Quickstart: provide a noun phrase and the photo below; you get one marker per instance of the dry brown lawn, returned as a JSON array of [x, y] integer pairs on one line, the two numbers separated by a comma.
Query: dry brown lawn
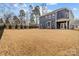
[[38, 42]]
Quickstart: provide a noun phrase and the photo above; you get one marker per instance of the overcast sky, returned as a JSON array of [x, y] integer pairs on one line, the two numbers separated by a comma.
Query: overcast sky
[[13, 7]]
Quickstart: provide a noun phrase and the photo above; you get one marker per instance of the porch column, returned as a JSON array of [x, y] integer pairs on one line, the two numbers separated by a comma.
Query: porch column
[[66, 25], [56, 20], [50, 24]]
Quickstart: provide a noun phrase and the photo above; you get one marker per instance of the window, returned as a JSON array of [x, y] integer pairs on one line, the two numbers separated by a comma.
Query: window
[[62, 14], [53, 16], [40, 17], [46, 17], [49, 17], [48, 23], [67, 15]]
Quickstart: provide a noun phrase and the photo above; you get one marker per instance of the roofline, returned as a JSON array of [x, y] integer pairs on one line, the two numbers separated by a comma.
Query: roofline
[[55, 11]]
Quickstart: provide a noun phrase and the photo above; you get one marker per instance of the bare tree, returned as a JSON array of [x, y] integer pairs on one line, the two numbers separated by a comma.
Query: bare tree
[[32, 21], [16, 20], [8, 16], [36, 11], [22, 14], [1, 20]]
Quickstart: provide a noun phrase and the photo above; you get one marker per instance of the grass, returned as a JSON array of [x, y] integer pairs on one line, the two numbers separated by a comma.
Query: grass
[[39, 42]]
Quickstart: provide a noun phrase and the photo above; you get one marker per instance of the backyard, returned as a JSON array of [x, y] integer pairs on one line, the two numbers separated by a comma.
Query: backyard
[[39, 42]]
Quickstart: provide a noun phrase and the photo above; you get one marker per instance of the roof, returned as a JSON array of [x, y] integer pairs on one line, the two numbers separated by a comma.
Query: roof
[[55, 11]]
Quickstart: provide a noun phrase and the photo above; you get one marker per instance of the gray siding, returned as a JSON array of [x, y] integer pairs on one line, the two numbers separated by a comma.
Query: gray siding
[[64, 14]]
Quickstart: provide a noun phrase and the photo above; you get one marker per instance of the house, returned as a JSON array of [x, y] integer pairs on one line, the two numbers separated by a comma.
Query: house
[[58, 19]]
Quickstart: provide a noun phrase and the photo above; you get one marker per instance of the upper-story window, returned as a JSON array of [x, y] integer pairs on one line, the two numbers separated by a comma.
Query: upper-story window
[[43, 17], [67, 14], [46, 16], [62, 14], [49, 16], [53, 16], [40, 17]]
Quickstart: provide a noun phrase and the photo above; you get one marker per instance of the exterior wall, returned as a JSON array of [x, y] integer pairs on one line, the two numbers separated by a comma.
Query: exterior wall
[[71, 19], [44, 21]]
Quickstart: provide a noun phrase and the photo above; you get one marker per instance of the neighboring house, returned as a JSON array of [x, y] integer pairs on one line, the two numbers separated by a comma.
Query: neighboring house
[[75, 24], [59, 19]]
